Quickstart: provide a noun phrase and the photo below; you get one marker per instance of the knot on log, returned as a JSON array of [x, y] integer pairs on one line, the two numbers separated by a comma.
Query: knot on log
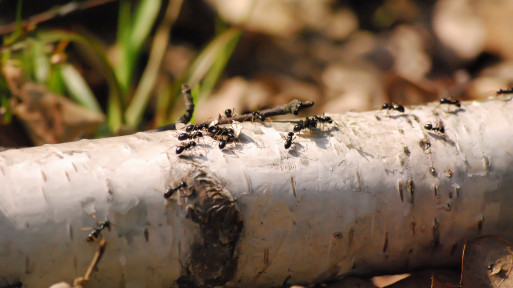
[[213, 260]]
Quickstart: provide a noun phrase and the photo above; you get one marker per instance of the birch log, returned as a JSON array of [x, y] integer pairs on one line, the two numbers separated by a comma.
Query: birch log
[[374, 192]]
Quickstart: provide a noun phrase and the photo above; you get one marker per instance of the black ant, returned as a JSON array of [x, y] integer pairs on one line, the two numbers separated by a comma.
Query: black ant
[[258, 115], [229, 113], [288, 140], [96, 232], [172, 191], [396, 107], [307, 123], [186, 136], [323, 119], [227, 135], [507, 91], [439, 128], [184, 147], [192, 127], [454, 102]]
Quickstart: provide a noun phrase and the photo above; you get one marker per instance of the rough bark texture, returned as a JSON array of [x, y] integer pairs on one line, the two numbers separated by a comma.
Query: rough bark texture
[[373, 192]]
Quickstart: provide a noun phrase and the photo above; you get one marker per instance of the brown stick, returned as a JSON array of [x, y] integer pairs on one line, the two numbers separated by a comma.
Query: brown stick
[[189, 105], [53, 13], [293, 107], [81, 281]]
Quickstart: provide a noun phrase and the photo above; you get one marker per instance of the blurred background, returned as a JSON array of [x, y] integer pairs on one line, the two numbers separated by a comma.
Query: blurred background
[[97, 68]]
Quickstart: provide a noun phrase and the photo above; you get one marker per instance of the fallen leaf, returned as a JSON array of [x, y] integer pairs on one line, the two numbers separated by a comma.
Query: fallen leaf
[[487, 262]]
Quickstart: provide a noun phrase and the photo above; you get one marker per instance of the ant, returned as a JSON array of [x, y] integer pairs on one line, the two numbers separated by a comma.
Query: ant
[[184, 147], [440, 128], [186, 136], [288, 140], [454, 102], [192, 127], [323, 119], [172, 191], [229, 113], [96, 232], [507, 91], [396, 107], [258, 115], [307, 123]]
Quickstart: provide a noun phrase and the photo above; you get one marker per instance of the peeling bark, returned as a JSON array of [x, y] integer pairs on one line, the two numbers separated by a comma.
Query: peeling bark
[[374, 192]]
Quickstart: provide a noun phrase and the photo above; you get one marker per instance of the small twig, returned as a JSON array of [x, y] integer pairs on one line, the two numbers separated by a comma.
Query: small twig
[[189, 105], [53, 13], [187, 115], [293, 107], [81, 281]]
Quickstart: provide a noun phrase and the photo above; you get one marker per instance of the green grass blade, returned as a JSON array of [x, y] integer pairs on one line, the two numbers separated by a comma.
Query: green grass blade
[[55, 82], [41, 62], [203, 66], [134, 30], [5, 95], [150, 75], [78, 89], [17, 32], [145, 16], [213, 75], [203, 63], [115, 105], [123, 68]]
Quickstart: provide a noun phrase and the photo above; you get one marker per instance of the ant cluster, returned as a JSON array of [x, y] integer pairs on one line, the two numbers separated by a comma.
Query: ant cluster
[[192, 132], [222, 134], [96, 232]]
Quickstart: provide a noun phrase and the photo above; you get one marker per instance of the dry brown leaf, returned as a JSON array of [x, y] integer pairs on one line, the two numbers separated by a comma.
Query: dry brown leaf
[[266, 16], [49, 118], [457, 25], [487, 262]]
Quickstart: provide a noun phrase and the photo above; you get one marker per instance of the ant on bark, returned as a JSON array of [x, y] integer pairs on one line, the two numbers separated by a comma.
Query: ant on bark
[[172, 191], [95, 233], [454, 102], [440, 128], [288, 140], [507, 91], [396, 107], [193, 135], [187, 146]]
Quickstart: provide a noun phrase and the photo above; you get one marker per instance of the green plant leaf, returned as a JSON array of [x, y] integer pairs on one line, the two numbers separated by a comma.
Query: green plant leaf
[[150, 75], [78, 89], [41, 62], [17, 32], [209, 63], [115, 104], [133, 32]]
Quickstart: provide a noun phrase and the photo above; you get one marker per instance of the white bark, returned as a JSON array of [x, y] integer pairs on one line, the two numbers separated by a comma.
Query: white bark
[[364, 196]]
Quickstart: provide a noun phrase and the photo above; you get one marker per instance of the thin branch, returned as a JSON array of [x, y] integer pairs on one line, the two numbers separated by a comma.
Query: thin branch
[[60, 11], [189, 105], [81, 281], [293, 107]]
